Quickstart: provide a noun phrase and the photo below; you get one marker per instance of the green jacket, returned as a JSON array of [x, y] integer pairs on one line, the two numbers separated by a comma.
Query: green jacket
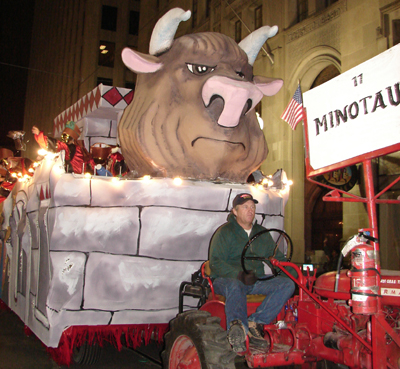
[[227, 246]]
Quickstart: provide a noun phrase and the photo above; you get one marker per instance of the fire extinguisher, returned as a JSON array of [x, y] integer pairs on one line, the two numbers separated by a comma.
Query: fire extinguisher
[[363, 274]]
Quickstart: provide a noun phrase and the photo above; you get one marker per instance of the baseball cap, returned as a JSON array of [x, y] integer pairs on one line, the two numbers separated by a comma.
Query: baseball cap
[[242, 198]]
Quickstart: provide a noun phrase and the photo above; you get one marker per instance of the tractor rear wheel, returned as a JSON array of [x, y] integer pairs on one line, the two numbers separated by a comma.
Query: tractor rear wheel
[[197, 341]]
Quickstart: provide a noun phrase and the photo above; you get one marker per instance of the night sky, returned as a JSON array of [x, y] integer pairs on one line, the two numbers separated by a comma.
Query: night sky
[[16, 19]]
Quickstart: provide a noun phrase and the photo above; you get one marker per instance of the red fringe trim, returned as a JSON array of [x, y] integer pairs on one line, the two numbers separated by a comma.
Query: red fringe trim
[[28, 331], [4, 306], [76, 336]]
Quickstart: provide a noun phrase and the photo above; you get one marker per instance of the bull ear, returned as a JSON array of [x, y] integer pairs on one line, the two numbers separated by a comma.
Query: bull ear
[[140, 63], [268, 86], [252, 44], [165, 29]]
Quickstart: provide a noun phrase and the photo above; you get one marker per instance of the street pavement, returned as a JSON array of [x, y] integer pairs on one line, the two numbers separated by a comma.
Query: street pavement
[[18, 351]]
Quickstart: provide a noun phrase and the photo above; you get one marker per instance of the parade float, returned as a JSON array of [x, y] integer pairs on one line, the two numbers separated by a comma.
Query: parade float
[[88, 257]]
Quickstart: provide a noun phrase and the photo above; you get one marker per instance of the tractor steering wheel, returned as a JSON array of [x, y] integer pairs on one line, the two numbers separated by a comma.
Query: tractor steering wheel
[[282, 242]]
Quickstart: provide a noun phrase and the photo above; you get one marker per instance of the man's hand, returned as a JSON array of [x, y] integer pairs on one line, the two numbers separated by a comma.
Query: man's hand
[[35, 130], [247, 279]]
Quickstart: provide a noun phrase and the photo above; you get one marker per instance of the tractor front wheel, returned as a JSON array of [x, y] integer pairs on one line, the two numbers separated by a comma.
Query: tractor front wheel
[[197, 341]]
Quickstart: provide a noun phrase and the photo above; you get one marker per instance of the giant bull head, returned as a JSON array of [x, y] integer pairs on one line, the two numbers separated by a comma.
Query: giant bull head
[[193, 111]]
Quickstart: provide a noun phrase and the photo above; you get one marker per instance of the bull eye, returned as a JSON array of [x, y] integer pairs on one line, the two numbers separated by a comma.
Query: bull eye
[[199, 70], [240, 74]]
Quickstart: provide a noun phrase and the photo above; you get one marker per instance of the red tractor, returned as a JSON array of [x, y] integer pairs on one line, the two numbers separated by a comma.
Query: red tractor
[[339, 317], [348, 317]]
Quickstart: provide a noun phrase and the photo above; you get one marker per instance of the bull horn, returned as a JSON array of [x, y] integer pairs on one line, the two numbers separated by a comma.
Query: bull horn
[[252, 44], [165, 29]]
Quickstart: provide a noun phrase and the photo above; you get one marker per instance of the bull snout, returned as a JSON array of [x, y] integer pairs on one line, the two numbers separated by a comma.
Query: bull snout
[[239, 97]]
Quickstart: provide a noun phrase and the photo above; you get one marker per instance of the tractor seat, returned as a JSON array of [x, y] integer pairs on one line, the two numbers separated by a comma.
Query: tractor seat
[[206, 272]]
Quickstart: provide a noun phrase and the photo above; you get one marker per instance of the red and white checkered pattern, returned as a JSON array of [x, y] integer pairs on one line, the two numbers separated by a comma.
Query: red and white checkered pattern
[[110, 99]]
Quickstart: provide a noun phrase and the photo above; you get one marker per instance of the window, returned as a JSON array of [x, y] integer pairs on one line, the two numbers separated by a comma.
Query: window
[[105, 81], [130, 85], [109, 18], [194, 13], [238, 31], [329, 2], [106, 54], [258, 110], [396, 31], [302, 10], [390, 23], [258, 22], [208, 8], [323, 4], [134, 23]]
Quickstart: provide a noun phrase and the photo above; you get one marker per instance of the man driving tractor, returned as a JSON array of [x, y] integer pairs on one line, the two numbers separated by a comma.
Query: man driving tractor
[[232, 282]]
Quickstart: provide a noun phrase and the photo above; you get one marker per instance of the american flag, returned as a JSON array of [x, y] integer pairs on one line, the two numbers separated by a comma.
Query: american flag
[[293, 113]]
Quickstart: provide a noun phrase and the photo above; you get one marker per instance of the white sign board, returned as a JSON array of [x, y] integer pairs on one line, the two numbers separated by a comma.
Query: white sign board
[[355, 113]]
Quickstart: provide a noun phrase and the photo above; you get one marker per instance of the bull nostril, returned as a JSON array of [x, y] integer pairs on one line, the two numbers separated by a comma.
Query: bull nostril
[[247, 106], [215, 107], [213, 98], [238, 98]]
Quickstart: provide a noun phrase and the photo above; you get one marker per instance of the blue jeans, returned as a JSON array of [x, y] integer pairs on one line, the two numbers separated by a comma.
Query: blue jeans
[[278, 290]]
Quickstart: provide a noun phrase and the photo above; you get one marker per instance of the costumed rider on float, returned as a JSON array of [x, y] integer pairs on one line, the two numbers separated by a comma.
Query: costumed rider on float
[[230, 280], [76, 157], [12, 169], [116, 163]]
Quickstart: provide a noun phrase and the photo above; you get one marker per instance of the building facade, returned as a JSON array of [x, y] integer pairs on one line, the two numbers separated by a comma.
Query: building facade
[[75, 46], [317, 40]]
